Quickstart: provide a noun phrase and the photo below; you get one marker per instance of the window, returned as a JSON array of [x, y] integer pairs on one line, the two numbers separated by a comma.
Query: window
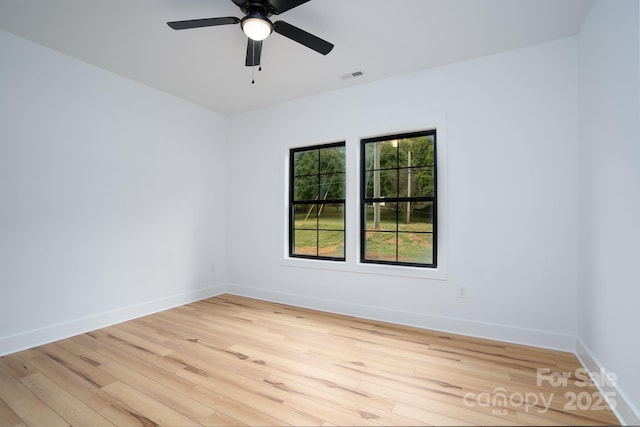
[[398, 200], [317, 202]]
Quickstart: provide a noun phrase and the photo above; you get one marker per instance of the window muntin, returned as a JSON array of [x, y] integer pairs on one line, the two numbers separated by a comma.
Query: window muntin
[[398, 200], [317, 189]]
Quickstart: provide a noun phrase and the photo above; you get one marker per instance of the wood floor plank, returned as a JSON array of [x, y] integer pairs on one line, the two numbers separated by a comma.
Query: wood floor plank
[[150, 334], [232, 360], [219, 419], [123, 416], [16, 366], [88, 355], [34, 412], [460, 412], [148, 369], [554, 418], [303, 365], [327, 392], [63, 403], [332, 415], [267, 400], [76, 364], [90, 394], [391, 379], [137, 341], [111, 343], [445, 404], [149, 407], [8, 418], [158, 391], [10, 388], [361, 413], [88, 341], [231, 408], [427, 417]]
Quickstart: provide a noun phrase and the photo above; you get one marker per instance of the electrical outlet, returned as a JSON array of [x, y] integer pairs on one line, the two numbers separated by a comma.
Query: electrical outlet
[[462, 292]]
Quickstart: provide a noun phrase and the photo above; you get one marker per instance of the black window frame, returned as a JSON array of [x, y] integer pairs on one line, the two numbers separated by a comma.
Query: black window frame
[[367, 200], [293, 203]]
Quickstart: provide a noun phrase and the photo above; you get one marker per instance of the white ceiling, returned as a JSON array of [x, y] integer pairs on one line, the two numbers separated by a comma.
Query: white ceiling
[[382, 38]]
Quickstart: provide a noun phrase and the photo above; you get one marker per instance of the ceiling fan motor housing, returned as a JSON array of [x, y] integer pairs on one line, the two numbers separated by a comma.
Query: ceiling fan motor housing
[[263, 9]]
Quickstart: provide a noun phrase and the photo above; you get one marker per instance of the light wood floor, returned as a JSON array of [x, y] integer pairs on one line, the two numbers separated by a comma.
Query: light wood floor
[[236, 361]]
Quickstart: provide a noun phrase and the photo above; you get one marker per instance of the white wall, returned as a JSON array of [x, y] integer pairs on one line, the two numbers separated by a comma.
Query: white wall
[[512, 199], [111, 197], [610, 197]]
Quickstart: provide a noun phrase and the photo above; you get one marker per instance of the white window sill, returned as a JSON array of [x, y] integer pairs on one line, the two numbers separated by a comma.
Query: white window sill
[[366, 268]]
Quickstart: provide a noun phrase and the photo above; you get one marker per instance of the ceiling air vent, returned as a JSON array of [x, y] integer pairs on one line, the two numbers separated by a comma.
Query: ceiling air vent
[[352, 75]]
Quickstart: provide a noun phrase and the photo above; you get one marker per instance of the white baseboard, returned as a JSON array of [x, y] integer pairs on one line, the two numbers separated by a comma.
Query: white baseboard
[[622, 406], [36, 337], [491, 331]]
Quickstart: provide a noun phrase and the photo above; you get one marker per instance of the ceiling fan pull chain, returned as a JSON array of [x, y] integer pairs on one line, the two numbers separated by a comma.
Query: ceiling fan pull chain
[[253, 69], [253, 73]]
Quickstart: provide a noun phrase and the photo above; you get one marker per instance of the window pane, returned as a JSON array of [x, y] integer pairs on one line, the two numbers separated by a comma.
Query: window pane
[[332, 159], [381, 216], [420, 149], [305, 187], [388, 154], [331, 244], [369, 163], [405, 150], [418, 219], [417, 182], [415, 248], [429, 147], [332, 186], [369, 183], [381, 183], [305, 162], [331, 217], [381, 155], [305, 217], [305, 242], [425, 181], [380, 246]]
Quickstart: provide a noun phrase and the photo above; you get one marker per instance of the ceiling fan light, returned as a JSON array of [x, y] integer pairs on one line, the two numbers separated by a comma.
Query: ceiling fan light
[[257, 28]]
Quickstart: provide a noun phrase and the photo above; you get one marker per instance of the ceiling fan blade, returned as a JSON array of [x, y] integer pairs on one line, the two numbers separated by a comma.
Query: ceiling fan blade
[[208, 22], [240, 3], [254, 50], [302, 37], [281, 6]]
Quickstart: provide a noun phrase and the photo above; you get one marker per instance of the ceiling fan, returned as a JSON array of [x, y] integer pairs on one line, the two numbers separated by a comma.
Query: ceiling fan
[[257, 26]]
